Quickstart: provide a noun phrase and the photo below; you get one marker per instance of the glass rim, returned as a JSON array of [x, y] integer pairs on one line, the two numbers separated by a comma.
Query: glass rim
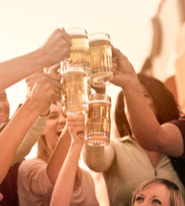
[[99, 96], [77, 31], [99, 36]]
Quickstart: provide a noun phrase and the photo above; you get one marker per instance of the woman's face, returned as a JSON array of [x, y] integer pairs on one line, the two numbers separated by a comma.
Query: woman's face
[[153, 195], [54, 125]]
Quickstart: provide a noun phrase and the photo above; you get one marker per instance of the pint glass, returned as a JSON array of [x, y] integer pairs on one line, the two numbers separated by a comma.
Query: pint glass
[[75, 89], [100, 58], [79, 48], [99, 120]]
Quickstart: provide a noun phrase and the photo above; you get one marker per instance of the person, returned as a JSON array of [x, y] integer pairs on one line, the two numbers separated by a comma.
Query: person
[[124, 163], [56, 48], [166, 138], [47, 88], [53, 51], [37, 176], [8, 186], [68, 170], [157, 191]]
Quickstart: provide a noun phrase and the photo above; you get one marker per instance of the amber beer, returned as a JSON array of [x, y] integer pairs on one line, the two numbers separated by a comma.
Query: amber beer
[[99, 120], [76, 90], [100, 58], [79, 55]]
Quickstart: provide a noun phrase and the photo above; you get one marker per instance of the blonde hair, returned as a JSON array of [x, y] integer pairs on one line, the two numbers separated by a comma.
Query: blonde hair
[[175, 195]]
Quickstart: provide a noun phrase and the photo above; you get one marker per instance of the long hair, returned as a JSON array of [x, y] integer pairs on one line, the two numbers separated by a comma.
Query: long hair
[[163, 100], [175, 195]]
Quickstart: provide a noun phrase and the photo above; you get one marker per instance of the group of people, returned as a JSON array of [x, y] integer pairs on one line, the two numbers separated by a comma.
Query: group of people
[[144, 165]]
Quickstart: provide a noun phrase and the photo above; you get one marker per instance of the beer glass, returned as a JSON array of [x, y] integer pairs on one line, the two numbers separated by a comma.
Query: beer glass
[[75, 89], [99, 120], [100, 58], [79, 55]]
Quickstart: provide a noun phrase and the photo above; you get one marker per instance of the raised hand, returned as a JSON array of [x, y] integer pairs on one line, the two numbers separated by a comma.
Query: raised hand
[[76, 127], [57, 47], [123, 69]]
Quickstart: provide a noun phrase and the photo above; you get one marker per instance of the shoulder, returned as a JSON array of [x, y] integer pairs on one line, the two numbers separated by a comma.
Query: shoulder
[[31, 166]]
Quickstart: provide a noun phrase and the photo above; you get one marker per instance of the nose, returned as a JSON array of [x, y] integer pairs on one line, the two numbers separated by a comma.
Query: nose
[[61, 119]]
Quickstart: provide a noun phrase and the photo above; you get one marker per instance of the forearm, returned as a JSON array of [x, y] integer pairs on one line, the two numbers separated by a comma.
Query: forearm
[[14, 133], [58, 156], [142, 119], [18, 68], [30, 139], [67, 176], [98, 159]]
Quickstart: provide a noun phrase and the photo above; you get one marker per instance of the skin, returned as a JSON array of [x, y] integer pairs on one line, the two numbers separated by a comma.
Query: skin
[[154, 195], [92, 155], [165, 138], [46, 90], [67, 175], [4, 107], [54, 126], [54, 50]]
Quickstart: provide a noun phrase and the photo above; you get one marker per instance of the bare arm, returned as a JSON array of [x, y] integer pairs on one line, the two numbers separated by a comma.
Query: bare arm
[[58, 156], [68, 174], [60, 152], [30, 139], [45, 91], [67, 177], [151, 135], [98, 159], [56, 48]]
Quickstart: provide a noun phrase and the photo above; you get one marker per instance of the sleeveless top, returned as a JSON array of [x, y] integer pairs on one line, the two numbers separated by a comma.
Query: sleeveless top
[[179, 163]]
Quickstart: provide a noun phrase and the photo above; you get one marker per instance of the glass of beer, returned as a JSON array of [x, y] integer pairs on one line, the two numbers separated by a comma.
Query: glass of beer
[[75, 89], [100, 58], [99, 120], [79, 55]]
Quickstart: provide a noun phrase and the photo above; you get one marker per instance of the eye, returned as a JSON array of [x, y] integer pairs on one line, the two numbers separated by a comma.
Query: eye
[[157, 201], [53, 116], [139, 199], [146, 95]]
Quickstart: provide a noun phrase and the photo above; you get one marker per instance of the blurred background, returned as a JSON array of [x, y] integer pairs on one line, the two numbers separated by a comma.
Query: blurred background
[[150, 33], [140, 29]]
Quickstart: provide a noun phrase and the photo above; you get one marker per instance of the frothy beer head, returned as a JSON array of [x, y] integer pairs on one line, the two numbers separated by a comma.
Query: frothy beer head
[[76, 88], [79, 48]]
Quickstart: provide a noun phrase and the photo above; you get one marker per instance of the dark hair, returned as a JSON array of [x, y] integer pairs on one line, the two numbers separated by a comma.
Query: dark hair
[[163, 100]]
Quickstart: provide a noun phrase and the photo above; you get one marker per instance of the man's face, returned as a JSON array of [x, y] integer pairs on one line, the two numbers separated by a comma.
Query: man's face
[[4, 107]]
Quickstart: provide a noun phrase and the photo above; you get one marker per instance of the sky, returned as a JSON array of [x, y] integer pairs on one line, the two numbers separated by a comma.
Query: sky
[[26, 24]]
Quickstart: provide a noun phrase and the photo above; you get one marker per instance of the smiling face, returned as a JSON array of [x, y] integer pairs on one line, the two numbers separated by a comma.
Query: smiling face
[[154, 195], [4, 107], [54, 126]]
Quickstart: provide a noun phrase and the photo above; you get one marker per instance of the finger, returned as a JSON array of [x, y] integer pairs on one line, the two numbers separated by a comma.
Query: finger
[[54, 69]]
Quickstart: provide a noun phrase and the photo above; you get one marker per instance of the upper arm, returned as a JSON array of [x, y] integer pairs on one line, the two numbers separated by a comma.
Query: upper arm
[[170, 140], [33, 178], [98, 159], [30, 139]]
